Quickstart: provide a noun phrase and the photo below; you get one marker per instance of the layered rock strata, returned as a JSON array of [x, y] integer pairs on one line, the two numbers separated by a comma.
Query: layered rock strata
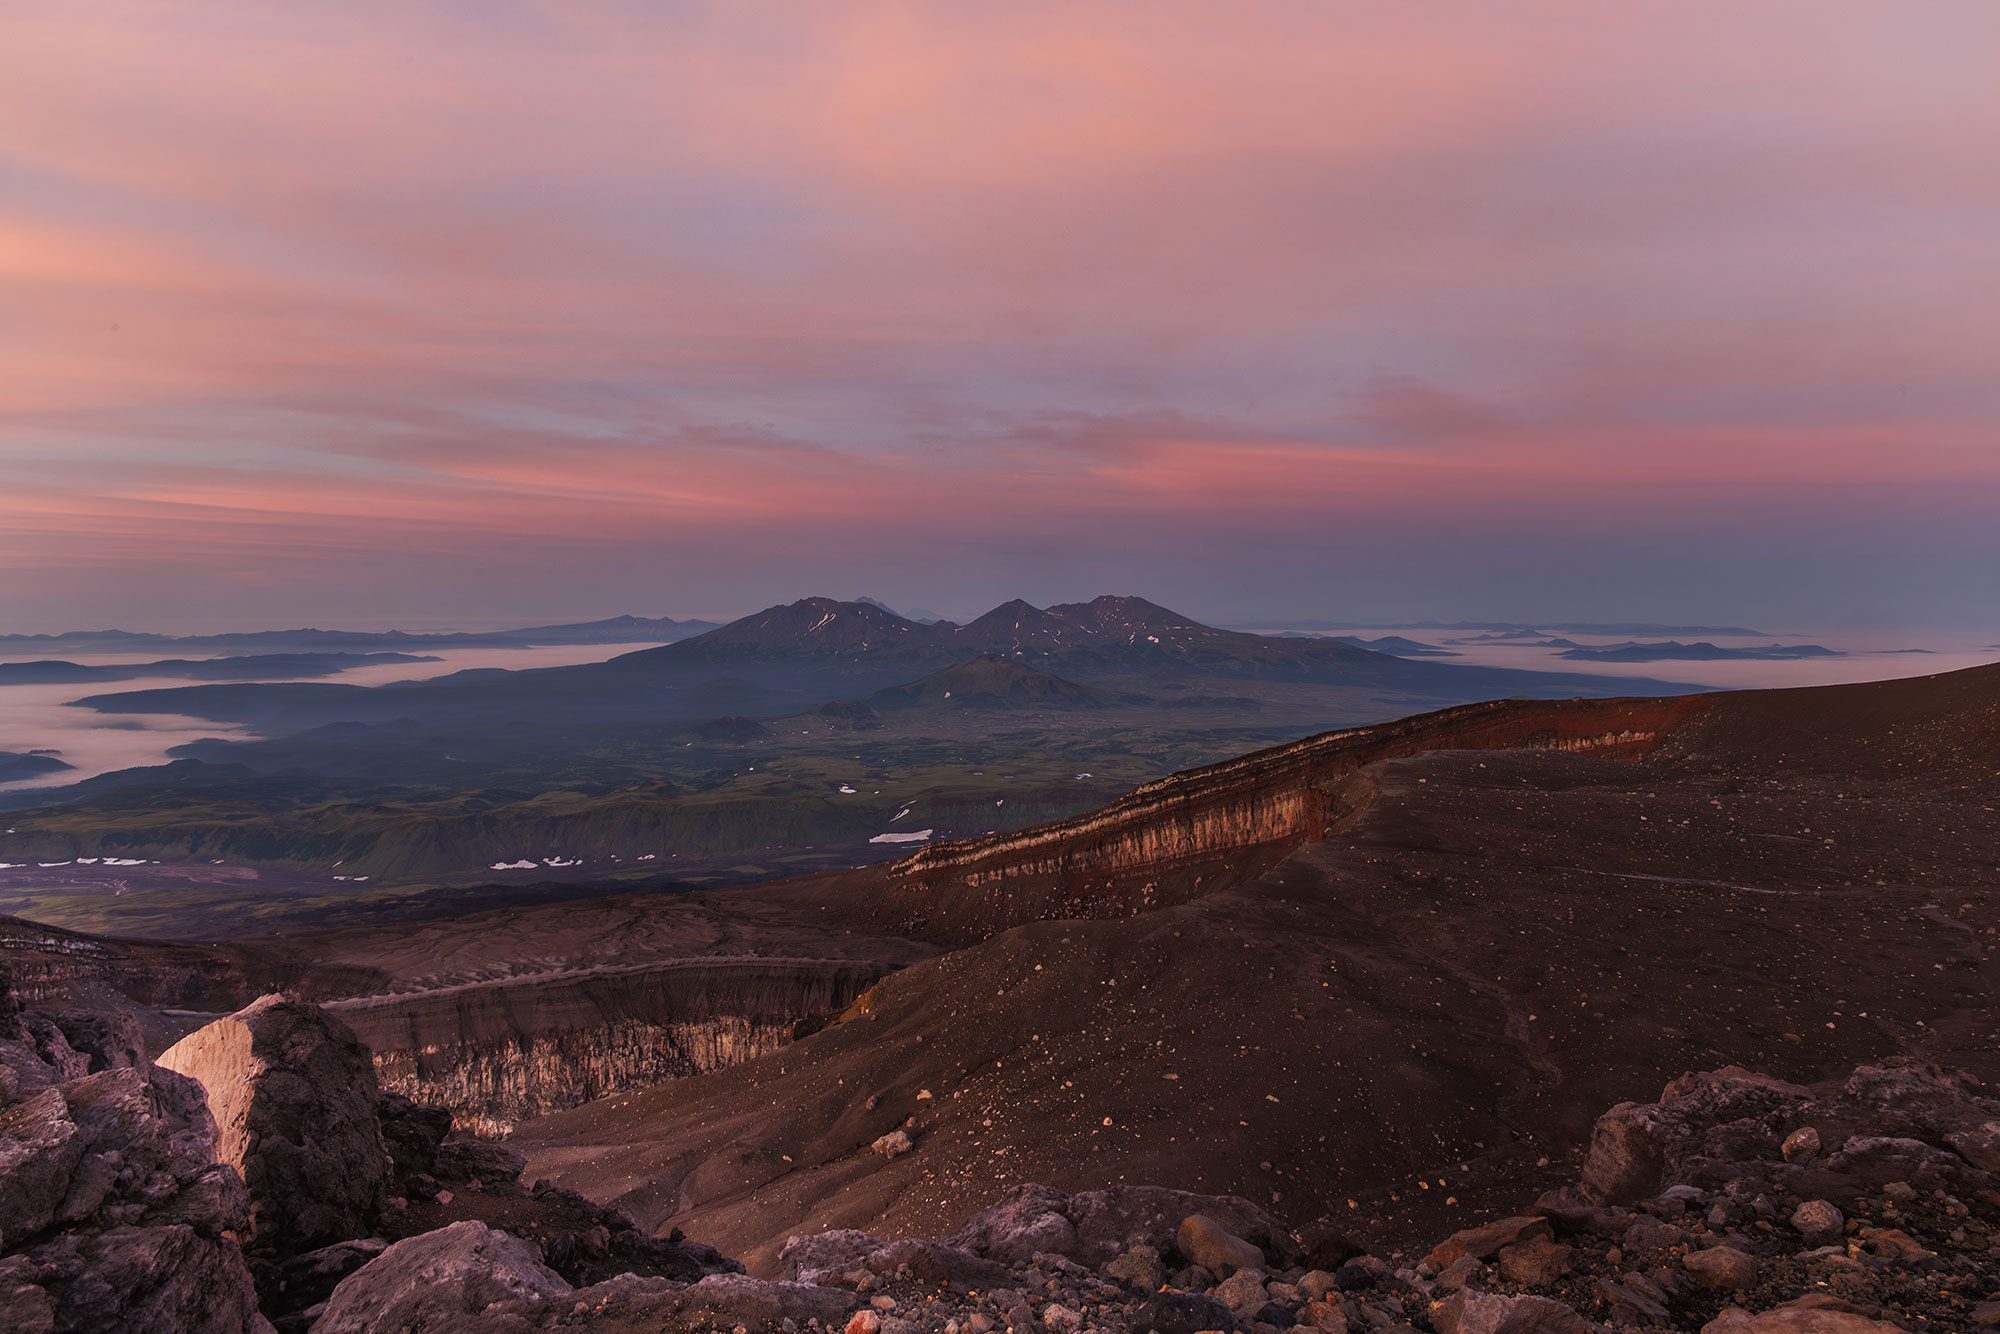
[[494, 1053], [1209, 828]]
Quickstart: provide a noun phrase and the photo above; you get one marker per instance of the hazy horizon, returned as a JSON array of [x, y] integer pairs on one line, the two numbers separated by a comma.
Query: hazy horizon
[[465, 315], [1969, 631]]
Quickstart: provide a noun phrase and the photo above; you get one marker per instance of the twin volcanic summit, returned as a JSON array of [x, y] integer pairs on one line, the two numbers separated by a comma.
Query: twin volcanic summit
[[1663, 1012], [808, 737]]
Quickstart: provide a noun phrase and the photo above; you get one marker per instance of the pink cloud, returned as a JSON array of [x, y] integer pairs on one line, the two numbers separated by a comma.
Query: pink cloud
[[375, 279]]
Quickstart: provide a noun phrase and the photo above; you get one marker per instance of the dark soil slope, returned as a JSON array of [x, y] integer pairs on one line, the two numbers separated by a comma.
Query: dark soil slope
[[988, 681], [1470, 934], [1400, 965]]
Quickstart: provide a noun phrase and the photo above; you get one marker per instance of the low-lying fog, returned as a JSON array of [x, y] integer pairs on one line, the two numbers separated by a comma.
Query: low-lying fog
[[1864, 657], [38, 717]]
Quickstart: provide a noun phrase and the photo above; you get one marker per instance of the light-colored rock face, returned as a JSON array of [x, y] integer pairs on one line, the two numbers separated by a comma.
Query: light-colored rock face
[[1979, 1145], [218, 1058], [293, 1095], [492, 1084]]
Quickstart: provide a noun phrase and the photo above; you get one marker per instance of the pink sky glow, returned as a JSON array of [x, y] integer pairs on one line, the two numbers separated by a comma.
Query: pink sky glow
[[378, 314]]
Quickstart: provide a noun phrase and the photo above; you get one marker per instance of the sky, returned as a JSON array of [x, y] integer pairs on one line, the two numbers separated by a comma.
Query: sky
[[503, 312]]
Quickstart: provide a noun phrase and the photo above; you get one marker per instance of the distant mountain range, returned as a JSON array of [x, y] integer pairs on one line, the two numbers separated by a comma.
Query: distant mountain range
[[16, 767], [1109, 636], [1517, 629], [785, 741], [1675, 651], [617, 630], [1397, 647], [818, 649], [256, 667]]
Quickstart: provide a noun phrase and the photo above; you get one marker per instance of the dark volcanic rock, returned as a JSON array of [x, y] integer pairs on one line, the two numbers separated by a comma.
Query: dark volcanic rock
[[583, 1241], [1025, 1220], [1326, 1247], [477, 1160], [39, 1148], [303, 1281], [412, 1132], [293, 1095], [108, 1041], [1183, 1313], [1093, 1226], [1729, 1126], [1470, 1312], [737, 1298], [112, 1208], [141, 1280], [1117, 1218]]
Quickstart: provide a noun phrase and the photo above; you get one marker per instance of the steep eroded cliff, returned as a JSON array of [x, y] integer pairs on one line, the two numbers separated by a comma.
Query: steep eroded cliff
[[499, 1052]]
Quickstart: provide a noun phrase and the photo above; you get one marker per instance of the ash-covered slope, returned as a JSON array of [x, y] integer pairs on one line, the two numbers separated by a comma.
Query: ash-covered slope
[[989, 681], [1427, 952], [1404, 966]]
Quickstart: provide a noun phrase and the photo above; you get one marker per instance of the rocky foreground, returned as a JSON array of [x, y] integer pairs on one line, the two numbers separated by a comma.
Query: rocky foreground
[[255, 1179]]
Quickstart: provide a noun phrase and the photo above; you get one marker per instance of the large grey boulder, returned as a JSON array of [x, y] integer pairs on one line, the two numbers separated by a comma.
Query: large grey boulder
[[293, 1095], [1719, 1115], [827, 1258], [734, 1299], [822, 1257], [1093, 1226], [1470, 1312], [1026, 1219], [464, 1279]]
